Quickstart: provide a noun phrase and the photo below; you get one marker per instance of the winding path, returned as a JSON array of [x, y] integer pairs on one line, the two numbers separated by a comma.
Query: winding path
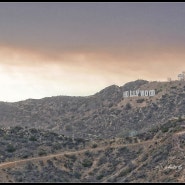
[[21, 161], [17, 162]]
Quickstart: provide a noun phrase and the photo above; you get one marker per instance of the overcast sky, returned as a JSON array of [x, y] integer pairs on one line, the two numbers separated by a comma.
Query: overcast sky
[[77, 49]]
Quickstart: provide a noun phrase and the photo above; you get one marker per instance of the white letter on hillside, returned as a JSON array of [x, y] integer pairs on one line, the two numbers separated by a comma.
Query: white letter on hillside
[[146, 93], [137, 92], [125, 94], [152, 93], [131, 94], [142, 93]]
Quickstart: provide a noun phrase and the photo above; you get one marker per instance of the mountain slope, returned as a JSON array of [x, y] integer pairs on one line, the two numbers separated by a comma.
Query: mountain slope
[[103, 115], [155, 156], [100, 138]]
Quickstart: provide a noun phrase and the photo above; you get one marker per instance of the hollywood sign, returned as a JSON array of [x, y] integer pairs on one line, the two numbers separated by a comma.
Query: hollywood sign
[[138, 93]]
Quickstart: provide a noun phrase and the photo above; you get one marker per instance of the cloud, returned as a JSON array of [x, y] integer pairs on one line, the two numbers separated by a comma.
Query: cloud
[[39, 74]]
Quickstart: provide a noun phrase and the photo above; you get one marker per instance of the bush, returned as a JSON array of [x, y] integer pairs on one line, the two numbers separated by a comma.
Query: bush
[[17, 129], [125, 172], [77, 175], [42, 152], [33, 138], [144, 158], [94, 145], [88, 153], [99, 177], [72, 157], [56, 146], [68, 127], [25, 156], [154, 129], [101, 161], [164, 129], [10, 148], [128, 106], [87, 163], [33, 130], [140, 100], [180, 119]]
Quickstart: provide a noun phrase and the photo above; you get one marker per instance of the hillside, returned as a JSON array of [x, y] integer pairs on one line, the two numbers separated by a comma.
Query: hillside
[[103, 115], [100, 138], [156, 156]]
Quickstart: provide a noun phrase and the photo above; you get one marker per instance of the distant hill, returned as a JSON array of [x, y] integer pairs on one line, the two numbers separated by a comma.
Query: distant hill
[[103, 115], [105, 137]]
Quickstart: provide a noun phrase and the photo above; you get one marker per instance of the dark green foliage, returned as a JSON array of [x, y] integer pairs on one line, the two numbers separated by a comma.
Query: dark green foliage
[[170, 124], [164, 129], [10, 148], [87, 163], [99, 177], [124, 149], [42, 152], [128, 106], [102, 161], [72, 157], [33, 138], [144, 157], [33, 130], [140, 100], [94, 145], [154, 129], [180, 119], [125, 172], [16, 129], [88, 153], [68, 127], [77, 175]]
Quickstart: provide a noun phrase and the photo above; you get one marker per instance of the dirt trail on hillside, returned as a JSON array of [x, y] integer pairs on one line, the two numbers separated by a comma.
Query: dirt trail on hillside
[[179, 133], [17, 162]]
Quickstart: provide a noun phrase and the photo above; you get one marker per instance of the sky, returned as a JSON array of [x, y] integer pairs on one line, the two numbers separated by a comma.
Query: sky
[[77, 49]]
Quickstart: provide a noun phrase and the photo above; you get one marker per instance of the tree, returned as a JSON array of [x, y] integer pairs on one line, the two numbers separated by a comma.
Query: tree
[[169, 79], [128, 106], [183, 75]]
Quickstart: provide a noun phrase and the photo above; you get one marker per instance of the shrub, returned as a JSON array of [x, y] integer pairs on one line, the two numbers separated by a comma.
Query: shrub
[[99, 177], [56, 146], [33, 130], [88, 153], [125, 172], [25, 155], [164, 129], [68, 127], [128, 106], [94, 145], [10, 148], [101, 161], [33, 138], [42, 152], [144, 158], [72, 157], [140, 100], [16, 129], [180, 119], [77, 175], [87, 163]]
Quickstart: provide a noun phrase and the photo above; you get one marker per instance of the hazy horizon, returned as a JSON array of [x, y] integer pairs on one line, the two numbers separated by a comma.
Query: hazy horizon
[[77, 49]]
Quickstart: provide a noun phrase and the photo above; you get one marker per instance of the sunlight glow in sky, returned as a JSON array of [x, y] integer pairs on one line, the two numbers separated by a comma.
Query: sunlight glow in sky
[[77, 49]]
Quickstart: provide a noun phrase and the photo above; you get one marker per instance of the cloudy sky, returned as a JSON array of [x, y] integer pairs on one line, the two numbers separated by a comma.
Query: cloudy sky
[[77, 49]]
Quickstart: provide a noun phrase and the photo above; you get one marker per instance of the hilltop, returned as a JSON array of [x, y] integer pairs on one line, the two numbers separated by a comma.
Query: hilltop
[[99, 138], [103, 115]]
